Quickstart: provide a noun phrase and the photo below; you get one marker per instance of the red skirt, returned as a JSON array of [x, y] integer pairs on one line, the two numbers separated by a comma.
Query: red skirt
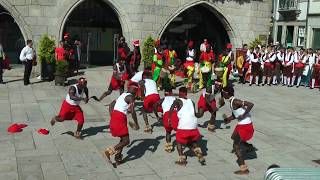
[[174, 121], [188, 63], [268, 65], [298, 66], [116, 84], [149, 101], [245, 131], [71, 112], [187, 136], [118, 124], [202, 104]]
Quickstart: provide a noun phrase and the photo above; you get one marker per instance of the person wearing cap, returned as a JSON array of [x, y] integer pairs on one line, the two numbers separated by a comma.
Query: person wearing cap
[[298, 66], [70, 108], [189, 66], [187, 133], [244, 129], [117, 80], [134, 58], [165, 104], [206, 59], [119, 109], [288, 66], [150, 96]]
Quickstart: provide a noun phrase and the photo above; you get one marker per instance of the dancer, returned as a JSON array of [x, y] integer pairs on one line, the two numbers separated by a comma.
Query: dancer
[[244, 129], [187, 132], [170, 56], [287, 66], [255, 66], [118, 123], [270, 57], [117, 80], [150, 95], [298, 67], [134, 81], [166, 103], [134, 58], [316, 70], [189, 66], [158, 59], [70, 109], [206, 59], [278, 66]]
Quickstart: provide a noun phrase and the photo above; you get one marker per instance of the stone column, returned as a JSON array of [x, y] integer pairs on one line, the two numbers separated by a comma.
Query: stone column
[[284, 34], [295, 36]]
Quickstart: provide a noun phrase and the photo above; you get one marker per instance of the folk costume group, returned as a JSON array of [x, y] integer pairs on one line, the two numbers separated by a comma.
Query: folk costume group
[[178, 111]]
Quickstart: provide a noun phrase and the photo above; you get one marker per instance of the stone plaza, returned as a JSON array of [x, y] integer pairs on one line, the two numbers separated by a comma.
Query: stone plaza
[[286, 124]]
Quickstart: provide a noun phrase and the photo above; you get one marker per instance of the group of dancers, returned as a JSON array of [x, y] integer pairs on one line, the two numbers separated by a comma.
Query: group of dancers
[[178, 112], [273, 65]]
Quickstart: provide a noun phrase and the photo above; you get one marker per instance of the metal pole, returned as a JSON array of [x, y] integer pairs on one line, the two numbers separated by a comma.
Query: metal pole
[[306, 28], [88, 49]]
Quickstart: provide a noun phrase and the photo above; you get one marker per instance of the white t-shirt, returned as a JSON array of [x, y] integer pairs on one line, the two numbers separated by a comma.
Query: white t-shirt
[[137, 77], [187, 118], [150, 87], [121, 105], [73, 102], [27, 54], [167, 103]]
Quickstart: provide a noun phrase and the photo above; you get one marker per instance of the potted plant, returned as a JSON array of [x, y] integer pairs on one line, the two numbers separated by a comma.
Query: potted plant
[[61, 72], [46, 55], [148, 51]]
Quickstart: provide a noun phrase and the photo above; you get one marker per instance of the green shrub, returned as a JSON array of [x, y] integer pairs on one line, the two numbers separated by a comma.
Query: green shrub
[[148, 51], [46, 50], [61, 67], [255, 43]]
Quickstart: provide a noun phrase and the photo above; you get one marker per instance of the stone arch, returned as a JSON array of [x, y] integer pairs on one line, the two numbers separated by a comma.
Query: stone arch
[[19, 20], [229, 25], [112, 3]]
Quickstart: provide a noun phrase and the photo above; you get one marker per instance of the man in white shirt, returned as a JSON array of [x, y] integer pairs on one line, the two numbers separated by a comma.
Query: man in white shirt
[[27, 56]]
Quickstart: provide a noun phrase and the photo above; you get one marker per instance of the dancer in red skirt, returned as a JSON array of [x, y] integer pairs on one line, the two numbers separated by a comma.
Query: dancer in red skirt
[[166, 103], [187, 131], [118, 123], [118, 79], [149, 92], [137, 77], [244, 129], [70, 109]]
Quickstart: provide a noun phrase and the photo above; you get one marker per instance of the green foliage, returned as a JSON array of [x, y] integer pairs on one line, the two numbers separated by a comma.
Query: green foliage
[[61, 67], [148, 51], [255, 43], [46, 50]]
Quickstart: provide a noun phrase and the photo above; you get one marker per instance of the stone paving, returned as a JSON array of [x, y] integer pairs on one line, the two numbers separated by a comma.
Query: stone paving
[[286, 133]]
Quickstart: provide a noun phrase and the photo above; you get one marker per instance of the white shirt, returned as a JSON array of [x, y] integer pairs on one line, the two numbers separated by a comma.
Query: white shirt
[[270, 57], [238, 112], [190, 56], [253, 58], [280, 56], [73, 102], [167, 102], [187, 118], [203, 47], [150, 87], [312, 59], [121, 105], [137, 77], [289, 58], [27, 54]]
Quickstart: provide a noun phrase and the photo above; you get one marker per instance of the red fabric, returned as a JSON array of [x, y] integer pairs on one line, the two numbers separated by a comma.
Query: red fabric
[[190, 44], [298, 65], [246, 65], [174, 121], [149, 101], [118, 124], [116, 84], [187, 136], [202, 103], [206, 57], [136, 43], [229, 46], [6, 63], [153, 66], [14, 128], [122, 53], [70, 112], [43, 131], [268, 65], [60, 53], [188, 63], [245, 131]]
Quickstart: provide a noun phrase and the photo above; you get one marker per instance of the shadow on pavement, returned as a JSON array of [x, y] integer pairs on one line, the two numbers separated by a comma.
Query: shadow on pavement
[[91, 131]]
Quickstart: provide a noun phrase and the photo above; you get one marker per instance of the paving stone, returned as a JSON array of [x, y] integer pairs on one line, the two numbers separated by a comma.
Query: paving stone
[[30, 172], [53, 171]]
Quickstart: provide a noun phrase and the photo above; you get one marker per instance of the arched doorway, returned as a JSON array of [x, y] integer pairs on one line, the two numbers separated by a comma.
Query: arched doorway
[[197, 23], [11, 37], [96, 22]]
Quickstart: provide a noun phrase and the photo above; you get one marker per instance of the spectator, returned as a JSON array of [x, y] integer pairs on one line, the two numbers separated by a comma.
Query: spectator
[[28, 58]]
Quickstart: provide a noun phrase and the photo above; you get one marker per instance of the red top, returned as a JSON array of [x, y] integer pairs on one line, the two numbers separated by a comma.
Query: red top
[[60, 53], [206, 57]]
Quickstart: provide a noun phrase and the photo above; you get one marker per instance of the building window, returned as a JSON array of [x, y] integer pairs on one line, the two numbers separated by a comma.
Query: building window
[[289, 36], [279, 34], [316, 39], [301, 33]]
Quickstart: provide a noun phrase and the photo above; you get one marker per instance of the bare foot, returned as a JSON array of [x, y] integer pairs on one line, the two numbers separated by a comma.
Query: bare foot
[[77, 134]]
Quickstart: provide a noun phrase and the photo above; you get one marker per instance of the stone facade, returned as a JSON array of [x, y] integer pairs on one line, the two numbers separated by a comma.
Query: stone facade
[[244, 21]]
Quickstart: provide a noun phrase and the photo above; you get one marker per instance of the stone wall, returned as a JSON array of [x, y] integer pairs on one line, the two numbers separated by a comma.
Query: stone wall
[[140, 18]]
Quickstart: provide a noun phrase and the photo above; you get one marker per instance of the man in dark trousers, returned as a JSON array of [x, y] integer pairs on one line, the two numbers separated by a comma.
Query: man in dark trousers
[[28, 58]]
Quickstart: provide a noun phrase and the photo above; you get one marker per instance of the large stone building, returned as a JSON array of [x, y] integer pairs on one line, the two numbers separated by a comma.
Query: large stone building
[[174, 21]]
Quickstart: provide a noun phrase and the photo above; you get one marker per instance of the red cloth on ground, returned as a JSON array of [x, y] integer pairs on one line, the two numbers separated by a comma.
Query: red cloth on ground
[[187, 136], [118, 124], [149, 101], [202, 104], [174, 121], [245, 131], [70, 112]]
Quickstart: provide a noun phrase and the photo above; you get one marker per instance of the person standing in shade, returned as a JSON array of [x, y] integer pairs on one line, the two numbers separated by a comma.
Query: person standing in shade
[[28, 58]]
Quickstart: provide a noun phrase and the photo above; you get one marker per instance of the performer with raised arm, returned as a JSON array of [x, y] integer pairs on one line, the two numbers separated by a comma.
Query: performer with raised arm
[[117, 80], [70, 109], [118, 123], [244, 129], [187, 132]]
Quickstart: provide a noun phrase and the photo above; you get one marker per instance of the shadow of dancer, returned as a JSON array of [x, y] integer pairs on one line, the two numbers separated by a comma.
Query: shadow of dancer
[[91, 131], [137, 151], [202, 144]]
